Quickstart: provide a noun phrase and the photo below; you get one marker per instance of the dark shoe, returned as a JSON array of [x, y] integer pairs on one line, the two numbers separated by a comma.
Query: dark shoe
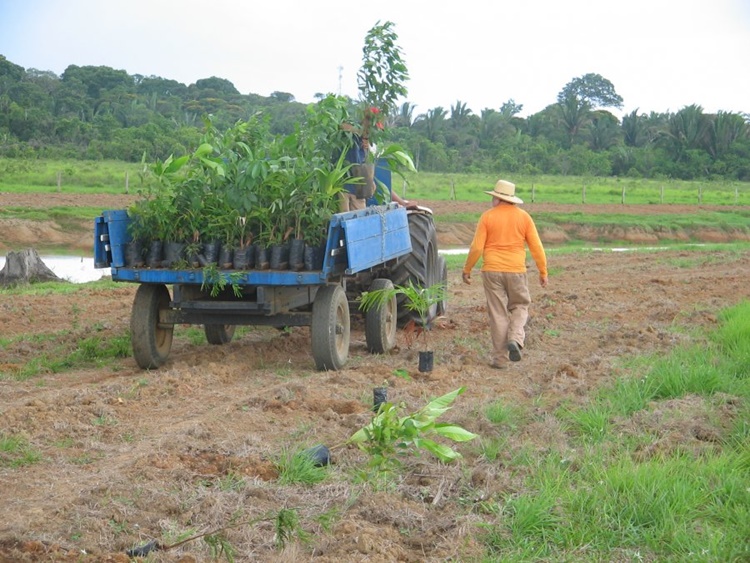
[[514, 351]]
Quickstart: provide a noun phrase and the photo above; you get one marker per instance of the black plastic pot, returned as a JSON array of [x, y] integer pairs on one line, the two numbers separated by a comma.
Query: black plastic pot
[[426, 361], [194, 259], [261, 257], [134, 254], [173, 252], [211, 253], [154, 257], [314, 257], [296, 254], [379, 396], [244, 258], [320, 455], [226, 256], [279, 257]]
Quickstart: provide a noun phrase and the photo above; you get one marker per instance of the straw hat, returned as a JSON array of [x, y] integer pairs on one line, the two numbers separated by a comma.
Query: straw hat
[[506, 191]]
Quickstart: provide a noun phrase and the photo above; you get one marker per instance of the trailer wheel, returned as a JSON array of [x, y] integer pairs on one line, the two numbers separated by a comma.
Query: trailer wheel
[[151, 340], [419, 267], [219, 334], [330, 328], [381, 322], [442, 268]]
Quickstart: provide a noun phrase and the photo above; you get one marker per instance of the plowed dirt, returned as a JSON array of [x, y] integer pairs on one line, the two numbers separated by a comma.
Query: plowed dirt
[[128, 456]]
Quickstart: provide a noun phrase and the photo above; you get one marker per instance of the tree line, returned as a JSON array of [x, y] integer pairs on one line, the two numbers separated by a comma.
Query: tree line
[[97, 112]]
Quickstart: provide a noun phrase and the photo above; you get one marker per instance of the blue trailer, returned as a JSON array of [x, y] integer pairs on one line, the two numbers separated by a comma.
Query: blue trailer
[[365, 250]]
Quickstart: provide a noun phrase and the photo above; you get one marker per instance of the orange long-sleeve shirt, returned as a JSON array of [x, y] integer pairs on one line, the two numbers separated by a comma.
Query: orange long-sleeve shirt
[[501, 238]]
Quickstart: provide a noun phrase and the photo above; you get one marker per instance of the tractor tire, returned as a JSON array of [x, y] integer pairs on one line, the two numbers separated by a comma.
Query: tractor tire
[[151, 340], [442, 268], [381, 322], [219, 334], [420, 267], [330, 328]]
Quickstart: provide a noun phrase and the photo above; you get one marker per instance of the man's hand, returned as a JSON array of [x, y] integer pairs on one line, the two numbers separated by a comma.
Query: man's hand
[[466, 277], [543, 280]]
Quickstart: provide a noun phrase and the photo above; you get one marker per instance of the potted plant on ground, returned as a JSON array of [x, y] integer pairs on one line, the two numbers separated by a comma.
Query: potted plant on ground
[[418, 299]]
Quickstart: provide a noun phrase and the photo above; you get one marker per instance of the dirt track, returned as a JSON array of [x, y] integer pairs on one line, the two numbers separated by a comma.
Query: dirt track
[[128, 456]]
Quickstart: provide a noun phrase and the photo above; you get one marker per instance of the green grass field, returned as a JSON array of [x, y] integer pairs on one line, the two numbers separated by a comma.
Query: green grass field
[[575, 189], [17, 175]]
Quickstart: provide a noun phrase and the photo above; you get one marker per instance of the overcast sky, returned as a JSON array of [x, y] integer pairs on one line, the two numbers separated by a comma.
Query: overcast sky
[[660, 55]]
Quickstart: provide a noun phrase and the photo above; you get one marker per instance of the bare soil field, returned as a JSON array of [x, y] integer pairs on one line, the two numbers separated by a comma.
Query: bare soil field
[[129, 456]]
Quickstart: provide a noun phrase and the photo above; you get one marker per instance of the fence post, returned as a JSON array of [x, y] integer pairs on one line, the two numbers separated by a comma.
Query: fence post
[[533, 194], [661, 194], [59, 180], [583, 194], [736, 195], [127, 182], [453, 190], [622, 198], [700, 193]]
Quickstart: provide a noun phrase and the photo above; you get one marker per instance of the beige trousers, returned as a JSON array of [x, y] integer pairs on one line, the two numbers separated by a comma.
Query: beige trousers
[[348, 202], [508, 301]]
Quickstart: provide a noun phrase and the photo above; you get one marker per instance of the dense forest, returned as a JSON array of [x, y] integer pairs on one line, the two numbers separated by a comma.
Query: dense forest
[[97, 112]]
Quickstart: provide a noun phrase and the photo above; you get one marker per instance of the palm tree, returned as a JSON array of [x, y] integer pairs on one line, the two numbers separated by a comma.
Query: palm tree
[[459, 115], [433, 123], [405, 115], [686, 130], [603, 130], [574, 113], [723, 130], [634, 129]]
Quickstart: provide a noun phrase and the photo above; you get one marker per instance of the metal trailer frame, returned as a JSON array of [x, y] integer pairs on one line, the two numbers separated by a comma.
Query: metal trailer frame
[[358, 242]]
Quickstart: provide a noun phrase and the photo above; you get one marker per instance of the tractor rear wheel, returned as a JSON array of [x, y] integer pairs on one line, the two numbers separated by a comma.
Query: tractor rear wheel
[[442, 306], [420, 267]]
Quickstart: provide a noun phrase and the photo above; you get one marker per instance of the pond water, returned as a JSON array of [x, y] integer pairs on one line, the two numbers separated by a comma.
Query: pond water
[[76, 269], [79, 269]]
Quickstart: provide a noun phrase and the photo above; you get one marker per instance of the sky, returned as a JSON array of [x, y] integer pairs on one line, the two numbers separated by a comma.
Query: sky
[[660, 55]]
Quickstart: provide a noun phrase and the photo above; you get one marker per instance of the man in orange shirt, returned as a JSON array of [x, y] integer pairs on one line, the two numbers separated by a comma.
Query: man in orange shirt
[[500, 240]]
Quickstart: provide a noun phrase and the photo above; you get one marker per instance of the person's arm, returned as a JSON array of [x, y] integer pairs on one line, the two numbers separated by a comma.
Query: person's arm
[[475, 251], [403, 202], [537, 252]]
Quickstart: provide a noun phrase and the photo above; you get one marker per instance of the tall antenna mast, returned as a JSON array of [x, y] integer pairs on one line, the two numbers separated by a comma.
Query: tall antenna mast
[[341, 68]]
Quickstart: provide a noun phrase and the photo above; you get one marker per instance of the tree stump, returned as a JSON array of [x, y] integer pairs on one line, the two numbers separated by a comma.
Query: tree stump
[[25, 267]]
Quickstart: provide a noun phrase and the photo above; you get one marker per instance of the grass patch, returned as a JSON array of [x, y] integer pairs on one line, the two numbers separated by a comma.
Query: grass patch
[[87, 352], [59, 288], [76, 176], [299, 467], [69, 217], [505, 415], [625, 492], [15, 451], [570, 189]]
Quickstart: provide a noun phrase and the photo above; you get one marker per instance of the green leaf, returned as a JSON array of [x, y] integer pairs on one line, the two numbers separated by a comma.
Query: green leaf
[[173, 166], [438, 406], [216, 166], [359, 436], [203, 150], [442, 452], [455, 433]]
